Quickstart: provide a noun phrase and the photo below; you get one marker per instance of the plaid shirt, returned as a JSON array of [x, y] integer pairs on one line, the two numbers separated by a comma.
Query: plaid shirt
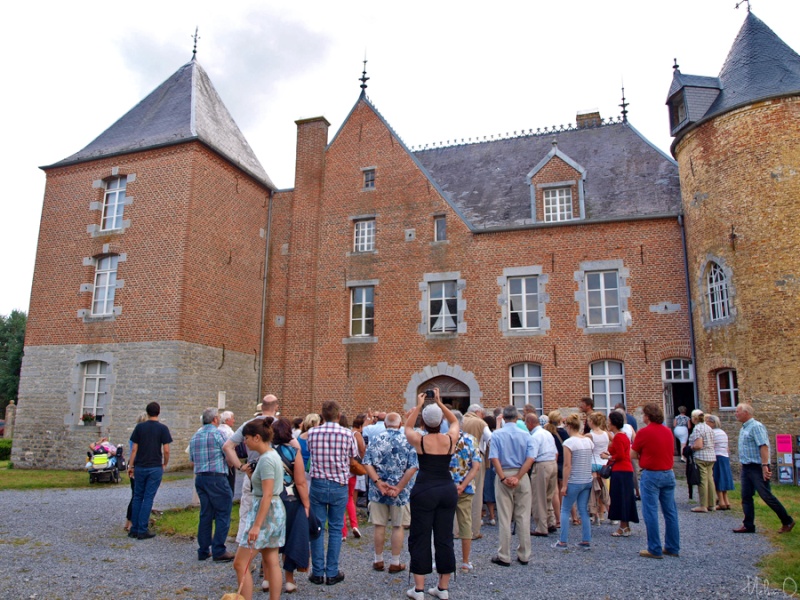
[[331, 447], [752, 436], [706, 453], [205, 450]]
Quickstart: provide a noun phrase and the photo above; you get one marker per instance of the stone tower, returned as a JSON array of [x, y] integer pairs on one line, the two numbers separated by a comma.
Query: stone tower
[[737, 142], [149, 278]]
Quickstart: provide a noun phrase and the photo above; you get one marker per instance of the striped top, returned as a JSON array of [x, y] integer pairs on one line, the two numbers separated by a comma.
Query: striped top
[[720, 442], [581, 448]]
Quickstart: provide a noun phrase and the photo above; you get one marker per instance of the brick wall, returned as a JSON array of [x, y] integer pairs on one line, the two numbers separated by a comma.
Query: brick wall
[[739, 173]]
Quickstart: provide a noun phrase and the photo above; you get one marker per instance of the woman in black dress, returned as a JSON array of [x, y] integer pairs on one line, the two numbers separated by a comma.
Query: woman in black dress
[[433, 498]]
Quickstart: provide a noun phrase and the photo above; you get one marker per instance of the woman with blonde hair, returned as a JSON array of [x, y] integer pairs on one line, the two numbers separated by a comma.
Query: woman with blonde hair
[[577, 483], [601, 438], [311, 420], [702, 443]]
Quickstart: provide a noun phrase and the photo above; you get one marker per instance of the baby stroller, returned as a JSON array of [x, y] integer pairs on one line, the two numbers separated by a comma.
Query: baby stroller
[[105, 463]]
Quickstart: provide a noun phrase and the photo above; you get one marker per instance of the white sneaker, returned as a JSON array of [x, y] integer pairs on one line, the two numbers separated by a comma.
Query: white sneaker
[[467, 567], [415, 595], [437, 593], [265, 585]]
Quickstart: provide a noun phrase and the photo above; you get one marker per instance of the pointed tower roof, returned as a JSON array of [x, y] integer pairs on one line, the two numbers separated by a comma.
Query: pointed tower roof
[[760, 65], [185, 107]]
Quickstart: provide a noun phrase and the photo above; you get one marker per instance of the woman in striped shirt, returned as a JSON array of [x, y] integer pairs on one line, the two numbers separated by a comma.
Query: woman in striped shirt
[[577, 482]]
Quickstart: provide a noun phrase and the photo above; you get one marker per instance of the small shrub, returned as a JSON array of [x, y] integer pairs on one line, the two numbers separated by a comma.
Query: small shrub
[[5, 449]]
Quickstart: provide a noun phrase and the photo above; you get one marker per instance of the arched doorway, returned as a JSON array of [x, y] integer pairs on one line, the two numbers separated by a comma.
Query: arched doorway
[[452, 391]]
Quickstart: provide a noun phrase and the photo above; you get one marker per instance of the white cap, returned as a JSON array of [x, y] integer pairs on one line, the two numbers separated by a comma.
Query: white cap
[[432, 415]]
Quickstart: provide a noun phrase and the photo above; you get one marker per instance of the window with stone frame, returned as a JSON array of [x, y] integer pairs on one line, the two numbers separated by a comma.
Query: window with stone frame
[[364, 235], [523, 302], [94, 388], [717, 293], [113, 203], [525, 380], [602, 298], [443, 306], [439, 229], [369, 179], [362, 311], [727, 389], [557, 204], [607, 381], [105, 284]]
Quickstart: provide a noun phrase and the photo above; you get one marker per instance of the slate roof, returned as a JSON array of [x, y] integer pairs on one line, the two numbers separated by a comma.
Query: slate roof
[[626, 176], [185, 107]]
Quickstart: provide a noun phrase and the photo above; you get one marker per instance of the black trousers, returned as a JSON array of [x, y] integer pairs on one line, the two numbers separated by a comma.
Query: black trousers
[[433, 508], [752, 482]]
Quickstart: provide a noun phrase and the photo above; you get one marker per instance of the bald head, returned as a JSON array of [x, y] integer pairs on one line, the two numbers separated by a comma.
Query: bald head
[[269, 405], [531, 421], [392, 420]]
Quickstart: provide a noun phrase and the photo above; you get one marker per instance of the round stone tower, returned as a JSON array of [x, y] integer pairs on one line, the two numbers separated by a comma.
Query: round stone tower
[[737, 143]]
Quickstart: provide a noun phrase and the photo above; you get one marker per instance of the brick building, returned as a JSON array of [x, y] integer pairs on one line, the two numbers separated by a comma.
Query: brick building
[[535, 269]]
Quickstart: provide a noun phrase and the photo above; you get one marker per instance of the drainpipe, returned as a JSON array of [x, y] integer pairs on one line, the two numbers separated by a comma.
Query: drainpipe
[[264, 302], [689, 299]]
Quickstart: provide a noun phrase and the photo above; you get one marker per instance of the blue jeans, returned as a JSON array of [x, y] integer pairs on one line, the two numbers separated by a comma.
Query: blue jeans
[[328, 501], [577, 492], [146, 482], [216, 501], [658, 488]]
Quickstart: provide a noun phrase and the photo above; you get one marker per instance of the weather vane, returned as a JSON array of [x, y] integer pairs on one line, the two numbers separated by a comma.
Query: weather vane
[[195, 37], [363, 79], [738, 4], [624, 106]]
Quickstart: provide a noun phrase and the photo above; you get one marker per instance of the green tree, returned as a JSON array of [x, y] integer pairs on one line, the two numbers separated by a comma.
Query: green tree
[[12, 341]]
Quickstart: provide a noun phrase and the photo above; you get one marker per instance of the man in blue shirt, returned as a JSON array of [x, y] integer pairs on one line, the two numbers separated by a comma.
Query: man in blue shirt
[[512, 453], [211, 483], [756, 472]]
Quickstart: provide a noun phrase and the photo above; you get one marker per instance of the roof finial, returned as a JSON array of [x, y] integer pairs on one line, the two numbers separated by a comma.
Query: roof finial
[[195, 37], [738, 4], [555, 142], [675, 66], [363, 79], [624, 106]]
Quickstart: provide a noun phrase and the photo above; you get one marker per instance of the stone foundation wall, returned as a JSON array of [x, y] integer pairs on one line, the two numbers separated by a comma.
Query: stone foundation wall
[[183, 378]]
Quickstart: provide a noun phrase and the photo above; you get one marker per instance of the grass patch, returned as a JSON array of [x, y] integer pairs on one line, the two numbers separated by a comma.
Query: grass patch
[[29, 479], [783, 566], [182, 522]]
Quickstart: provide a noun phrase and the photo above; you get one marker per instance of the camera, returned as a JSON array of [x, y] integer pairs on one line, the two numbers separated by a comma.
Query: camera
[[429, 394], [252, 466]]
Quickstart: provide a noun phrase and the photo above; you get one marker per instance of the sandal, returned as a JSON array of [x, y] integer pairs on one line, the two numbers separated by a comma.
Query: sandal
[[622, 532], [576, 521]]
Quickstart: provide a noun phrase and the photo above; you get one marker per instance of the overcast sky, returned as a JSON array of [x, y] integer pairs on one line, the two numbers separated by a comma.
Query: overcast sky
[[439, 71]]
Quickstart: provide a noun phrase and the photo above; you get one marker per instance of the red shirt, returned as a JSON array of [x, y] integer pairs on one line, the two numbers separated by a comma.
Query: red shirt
[[655, 446], [620, 451]]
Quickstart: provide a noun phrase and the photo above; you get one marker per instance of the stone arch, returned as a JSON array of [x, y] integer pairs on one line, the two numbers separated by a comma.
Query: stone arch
[[439, 370], [606, 355], [669, 350], [527, 357]]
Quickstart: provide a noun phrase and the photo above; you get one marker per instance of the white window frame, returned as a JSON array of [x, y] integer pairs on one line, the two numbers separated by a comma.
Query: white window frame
[[717, 293], [364, 235], [677, 370], [439, 229], [531, 381], [528, 302], [605, 399], [363, 321], [603, 306], [113, 204], [94, 387], [557, 204], [730, 380], [445, 292], [105, 284]]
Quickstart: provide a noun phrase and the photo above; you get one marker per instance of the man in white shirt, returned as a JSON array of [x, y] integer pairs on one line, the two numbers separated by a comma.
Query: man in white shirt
[[544, 478]]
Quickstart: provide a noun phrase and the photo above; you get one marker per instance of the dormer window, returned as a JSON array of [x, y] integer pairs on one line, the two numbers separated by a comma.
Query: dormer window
[[677, 111], [557, 204]]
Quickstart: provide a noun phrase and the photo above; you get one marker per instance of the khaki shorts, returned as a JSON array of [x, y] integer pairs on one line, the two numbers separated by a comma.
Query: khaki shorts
[[381, 514], [464, 516]]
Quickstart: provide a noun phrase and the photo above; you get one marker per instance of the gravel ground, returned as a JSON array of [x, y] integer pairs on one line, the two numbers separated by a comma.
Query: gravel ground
[[61, 544]]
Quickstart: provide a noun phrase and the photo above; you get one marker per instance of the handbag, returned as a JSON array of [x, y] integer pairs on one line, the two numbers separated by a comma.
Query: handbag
[[288, 493], [605, 471], [356, 466]]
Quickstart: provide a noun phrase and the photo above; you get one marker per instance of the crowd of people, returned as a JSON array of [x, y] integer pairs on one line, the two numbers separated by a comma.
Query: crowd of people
[[441, 475]]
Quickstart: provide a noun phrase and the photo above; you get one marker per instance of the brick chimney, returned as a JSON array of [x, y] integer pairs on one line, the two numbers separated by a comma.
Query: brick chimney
[[588, 118]]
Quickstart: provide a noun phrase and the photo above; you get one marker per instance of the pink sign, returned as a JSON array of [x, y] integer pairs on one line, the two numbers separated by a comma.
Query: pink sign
[[783, 443]]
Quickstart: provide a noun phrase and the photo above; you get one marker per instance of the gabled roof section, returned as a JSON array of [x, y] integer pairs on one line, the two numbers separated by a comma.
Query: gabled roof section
[[626, 176], [185, 107], [556, 153], [679, 80], [363, 98], [760, 65]]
